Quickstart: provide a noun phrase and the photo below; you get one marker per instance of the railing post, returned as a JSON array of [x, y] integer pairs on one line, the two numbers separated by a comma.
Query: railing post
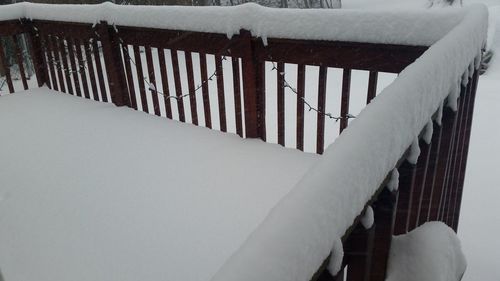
[[114, 66], [253, 83], [358, 252]]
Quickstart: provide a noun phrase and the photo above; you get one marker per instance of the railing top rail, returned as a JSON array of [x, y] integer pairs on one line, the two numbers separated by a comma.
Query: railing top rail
[[335, 190], [405, 27]]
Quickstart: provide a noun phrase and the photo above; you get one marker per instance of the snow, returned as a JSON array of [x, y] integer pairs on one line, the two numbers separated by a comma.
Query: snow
[[414, 151], [393, 183], [431, 252], [335, 190], [368, 218], [411, 27], [429, 130], [336, 258], [90, 191]]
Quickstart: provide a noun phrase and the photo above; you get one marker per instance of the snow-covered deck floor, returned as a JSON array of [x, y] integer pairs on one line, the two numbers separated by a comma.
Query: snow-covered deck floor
[[89, 191]]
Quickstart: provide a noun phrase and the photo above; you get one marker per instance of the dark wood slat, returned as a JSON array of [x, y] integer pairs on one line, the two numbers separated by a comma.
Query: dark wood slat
[[280, 76], [372, 86], [407, 178], [11, 27], [57, 56], [51, 61], [66, 29], [5, 66], [37, 55], [67, 73], [344, 103], [164, 83], [191, 89], [301, 78], [140, 78], [74, 68], [204, 90], [81, 67], [20, 60], [220, 93], [90, 66], [419, 189], [99, 70], [152, 80], [178, 86], [260, 75], [237, 95], [129, 75], [320, 137]]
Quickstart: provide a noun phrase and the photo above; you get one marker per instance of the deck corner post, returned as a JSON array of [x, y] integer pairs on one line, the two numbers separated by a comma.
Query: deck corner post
[[253, 78], [114, 65]]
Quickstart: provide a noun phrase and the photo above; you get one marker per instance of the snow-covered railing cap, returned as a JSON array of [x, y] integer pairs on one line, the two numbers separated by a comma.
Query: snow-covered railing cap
[[299, 233], [405, 27]]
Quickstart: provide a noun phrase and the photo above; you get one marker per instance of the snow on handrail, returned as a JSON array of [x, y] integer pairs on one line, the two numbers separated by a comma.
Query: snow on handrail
[[299, 233], [416, 27]]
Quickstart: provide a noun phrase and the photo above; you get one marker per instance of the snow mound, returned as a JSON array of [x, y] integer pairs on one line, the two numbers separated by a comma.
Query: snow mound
[[408, 27], [431, 252]]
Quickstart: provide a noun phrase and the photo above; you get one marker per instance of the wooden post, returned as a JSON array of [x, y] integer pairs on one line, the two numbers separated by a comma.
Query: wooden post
[[358, 252], [252, 88], [114, 66]]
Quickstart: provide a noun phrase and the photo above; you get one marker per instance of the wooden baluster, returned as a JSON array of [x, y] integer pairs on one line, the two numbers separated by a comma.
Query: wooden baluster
[[51, 61], [100, 71], [320, 138], [359, 251], [67, 73], [204, 90], [191, 88], [281, 102], [20, 61], [55, 49], [6, 67], [140, 79], [90, 66], [237, 95], [128, 72], [37, 55], [81, 69], [407, 179], [220, 93], [74, 68], [372, 86], [418, 191], [178, 87], [152, 81], [344, 104], [164, 83], [301, 78]]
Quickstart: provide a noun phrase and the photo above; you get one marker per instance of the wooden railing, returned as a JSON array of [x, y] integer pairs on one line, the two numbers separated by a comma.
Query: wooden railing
[[105, 63]]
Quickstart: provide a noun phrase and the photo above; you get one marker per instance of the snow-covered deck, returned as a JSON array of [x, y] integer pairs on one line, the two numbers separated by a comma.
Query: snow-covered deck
[[95, 192]]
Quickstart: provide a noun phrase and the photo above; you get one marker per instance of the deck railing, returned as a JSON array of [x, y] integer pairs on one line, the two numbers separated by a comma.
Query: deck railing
[[134, 66]]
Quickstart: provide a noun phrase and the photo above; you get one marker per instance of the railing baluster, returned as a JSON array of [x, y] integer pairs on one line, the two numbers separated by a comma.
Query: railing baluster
[[419, 189], [164, 83], [51, 61], [129, 75], [344, 104], [140, 79], [74, 68], [237, 95], [5, 66], [100, 73], [372, 86], [204, 90], [301, 77], [55, 49], [320, 137], [81, 69], [20, 61], [359, 253], [192, 93], [67, 73], [281, 102], [152, 81], [178, 86], [407, 178], [220, 93], [90, 66]]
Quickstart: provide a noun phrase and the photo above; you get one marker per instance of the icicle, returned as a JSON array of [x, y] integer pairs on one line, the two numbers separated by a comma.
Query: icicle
[[465, 77], [414, 152], [439, 117], [393, 183], [429, 129], [452, 100], [368, 218], [477, 60], [336, 258]]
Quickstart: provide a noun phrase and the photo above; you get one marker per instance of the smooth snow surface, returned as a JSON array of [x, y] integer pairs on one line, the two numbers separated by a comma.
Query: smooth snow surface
[[89, 191], [431, 252], [411, 27]]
